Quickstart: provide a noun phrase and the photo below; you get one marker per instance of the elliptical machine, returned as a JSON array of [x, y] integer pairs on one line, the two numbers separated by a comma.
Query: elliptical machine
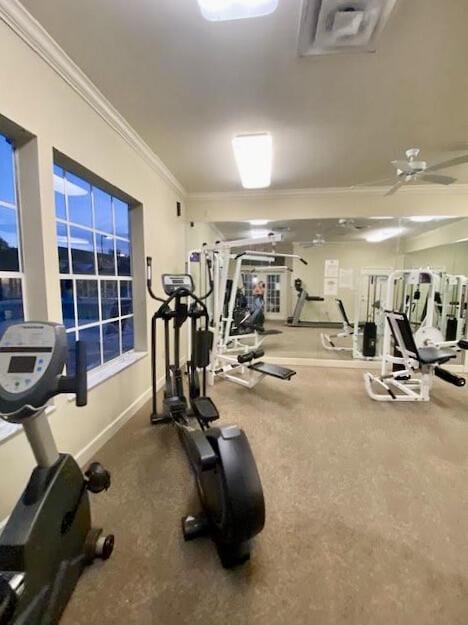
[[227, 478], [48, 538]]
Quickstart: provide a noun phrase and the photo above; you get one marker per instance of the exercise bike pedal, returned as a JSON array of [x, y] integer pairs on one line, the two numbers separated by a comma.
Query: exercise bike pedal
[[98, 478], [194, 527], [98, 545]]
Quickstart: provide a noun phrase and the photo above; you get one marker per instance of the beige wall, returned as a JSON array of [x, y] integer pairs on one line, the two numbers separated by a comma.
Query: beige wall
[[452, 258], [36, 98], [351, 255], [316, 203]]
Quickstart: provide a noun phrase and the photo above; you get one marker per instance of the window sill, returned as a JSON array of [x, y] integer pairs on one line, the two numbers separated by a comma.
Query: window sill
[[104, 373]]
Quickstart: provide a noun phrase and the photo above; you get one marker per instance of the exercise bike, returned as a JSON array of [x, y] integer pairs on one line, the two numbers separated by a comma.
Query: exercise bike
[[48, 539], [226, 475]]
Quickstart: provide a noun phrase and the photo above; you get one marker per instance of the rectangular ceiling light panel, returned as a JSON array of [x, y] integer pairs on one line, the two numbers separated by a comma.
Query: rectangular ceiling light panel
[[223, 10], [340, 26], [254, 158]]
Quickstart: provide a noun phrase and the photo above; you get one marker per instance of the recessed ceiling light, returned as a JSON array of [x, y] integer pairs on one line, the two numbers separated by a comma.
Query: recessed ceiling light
[[258, 222], [223, 10], [382, 235], [254, 158], [381, 217], [259, 234]]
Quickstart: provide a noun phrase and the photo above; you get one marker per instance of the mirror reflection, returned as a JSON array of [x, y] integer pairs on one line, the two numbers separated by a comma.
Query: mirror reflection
[[319, 288]]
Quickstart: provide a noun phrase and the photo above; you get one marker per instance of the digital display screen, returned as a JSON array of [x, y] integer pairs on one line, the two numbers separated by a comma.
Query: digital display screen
[[22, 364]]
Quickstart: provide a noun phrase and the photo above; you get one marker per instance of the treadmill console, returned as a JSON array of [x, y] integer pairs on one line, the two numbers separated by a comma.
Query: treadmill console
[[32, 357], [173, 282]]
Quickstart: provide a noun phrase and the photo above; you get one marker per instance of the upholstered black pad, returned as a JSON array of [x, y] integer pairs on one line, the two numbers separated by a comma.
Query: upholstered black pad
[[434, 355], [274, 370]]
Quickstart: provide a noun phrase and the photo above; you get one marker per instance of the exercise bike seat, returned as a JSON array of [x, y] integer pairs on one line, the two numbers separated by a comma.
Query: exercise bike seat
[[205, 409], [435, 355]]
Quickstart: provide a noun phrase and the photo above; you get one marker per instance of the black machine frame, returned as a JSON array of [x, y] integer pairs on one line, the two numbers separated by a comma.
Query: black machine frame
[[226, 474]]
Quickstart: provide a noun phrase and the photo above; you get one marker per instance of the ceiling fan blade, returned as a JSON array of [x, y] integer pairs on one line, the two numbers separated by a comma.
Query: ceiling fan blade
[[458, 160], [395, 187], [437, 179], [403, 166]]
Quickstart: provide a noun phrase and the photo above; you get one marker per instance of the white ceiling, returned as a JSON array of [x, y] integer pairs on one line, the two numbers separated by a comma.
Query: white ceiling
[[188, 85], [304, 230]]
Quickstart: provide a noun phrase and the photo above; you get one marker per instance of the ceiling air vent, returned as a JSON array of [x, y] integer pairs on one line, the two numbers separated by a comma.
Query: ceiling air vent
[[342, 26]]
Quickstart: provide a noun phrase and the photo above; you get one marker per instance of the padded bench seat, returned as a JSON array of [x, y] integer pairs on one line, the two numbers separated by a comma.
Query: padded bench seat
[[273, 370], [435, 355]]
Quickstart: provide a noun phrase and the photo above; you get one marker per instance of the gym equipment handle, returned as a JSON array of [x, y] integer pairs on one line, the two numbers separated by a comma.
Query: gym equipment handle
[[77, 384], [463, 344], [449, 377]]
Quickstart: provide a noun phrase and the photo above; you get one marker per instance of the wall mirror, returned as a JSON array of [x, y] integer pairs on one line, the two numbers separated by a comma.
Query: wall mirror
[[324, 285]]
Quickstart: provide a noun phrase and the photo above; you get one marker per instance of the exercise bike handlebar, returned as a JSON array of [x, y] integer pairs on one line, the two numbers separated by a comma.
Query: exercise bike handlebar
[[77, 384]]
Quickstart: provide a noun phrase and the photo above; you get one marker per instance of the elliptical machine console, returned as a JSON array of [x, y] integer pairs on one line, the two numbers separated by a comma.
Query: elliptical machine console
[[48, 539], [229, 486]]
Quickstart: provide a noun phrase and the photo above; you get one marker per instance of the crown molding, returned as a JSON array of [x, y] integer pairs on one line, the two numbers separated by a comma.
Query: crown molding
[[271, 194], [14, 14]]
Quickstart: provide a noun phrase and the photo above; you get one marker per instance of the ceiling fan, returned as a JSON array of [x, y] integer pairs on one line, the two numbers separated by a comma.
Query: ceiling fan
[[412, 169], [317, 241]]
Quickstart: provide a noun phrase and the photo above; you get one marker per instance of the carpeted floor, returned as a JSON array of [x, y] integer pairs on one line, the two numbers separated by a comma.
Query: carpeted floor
[[304, 342], [367, 514]]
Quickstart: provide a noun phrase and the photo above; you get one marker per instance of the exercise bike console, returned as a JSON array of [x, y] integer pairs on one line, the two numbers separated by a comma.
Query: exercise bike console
[[32, 357]]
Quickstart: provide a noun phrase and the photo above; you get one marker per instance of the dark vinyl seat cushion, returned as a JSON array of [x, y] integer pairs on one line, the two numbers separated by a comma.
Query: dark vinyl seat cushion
[[434, 355]]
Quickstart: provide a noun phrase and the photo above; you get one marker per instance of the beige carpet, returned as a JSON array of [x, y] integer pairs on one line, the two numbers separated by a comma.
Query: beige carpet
[[304, 343], [367, 514]]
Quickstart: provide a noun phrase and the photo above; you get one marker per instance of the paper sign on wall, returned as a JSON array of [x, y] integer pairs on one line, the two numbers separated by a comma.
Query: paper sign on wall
[[332, 267], [330, 286], [346, 279]]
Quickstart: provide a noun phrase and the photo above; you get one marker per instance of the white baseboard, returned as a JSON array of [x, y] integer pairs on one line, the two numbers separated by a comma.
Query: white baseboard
[[88, 452]]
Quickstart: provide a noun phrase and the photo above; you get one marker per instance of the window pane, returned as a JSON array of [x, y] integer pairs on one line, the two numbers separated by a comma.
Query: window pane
[[7, 175], [110, 340], [122, 224], [9, 259], [87, 301], [123, 257], [92, 338], [109, 299], [71, 339], [103, 211], [79, 200], [126, 304], [62, 243], [59, 188], [68, 303], [127, 334], [105, 253], [11, 302], [82, 246]]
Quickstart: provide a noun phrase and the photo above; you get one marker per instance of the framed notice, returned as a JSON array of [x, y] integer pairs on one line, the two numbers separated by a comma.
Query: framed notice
[[332, 268]]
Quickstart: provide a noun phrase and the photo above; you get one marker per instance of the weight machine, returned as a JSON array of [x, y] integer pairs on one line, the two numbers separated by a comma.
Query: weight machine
[[236, 357], [454, 306], [411, 359]]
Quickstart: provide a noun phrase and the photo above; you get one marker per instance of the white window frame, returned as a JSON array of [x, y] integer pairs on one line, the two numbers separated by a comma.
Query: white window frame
[[97, 277]]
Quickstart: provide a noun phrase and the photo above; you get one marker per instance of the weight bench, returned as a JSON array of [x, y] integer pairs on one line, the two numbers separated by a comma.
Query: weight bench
[[408, 373], [274, 371]]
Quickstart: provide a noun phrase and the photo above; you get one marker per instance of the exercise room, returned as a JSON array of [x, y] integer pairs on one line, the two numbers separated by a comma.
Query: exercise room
[[233, 312]]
